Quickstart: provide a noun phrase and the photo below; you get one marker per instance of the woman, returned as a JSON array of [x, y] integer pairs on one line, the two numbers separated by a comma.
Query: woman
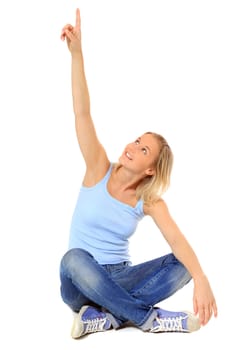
[[98, 281]]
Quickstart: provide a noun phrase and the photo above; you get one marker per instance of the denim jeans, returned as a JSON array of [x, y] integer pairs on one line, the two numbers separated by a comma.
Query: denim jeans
[[127, 292]]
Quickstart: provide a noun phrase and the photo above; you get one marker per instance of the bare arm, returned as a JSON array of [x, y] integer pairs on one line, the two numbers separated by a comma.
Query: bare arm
[[203, 298], [93, 152]]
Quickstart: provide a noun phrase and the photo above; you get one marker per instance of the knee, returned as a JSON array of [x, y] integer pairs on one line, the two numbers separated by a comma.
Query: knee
[[182, 272], [73, 259], [185, 276], [80, 266]]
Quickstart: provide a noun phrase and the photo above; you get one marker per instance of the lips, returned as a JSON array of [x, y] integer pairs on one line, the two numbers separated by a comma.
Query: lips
[[128, 155]]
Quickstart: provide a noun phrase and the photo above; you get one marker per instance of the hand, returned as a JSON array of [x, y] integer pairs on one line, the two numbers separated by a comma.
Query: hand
[[73, 35], [204, 303]]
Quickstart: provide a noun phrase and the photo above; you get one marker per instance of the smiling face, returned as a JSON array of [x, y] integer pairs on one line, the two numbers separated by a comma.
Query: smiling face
[[140, 155]]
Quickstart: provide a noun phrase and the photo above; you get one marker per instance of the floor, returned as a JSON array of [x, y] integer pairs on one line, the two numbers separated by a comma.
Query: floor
[[49, 326]]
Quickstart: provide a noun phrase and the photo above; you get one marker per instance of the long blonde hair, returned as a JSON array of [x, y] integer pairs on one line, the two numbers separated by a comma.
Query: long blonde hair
[[153, 187]]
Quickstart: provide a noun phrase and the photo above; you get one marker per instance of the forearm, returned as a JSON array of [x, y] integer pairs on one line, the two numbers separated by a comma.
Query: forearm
[[80, 93], [186, 255]]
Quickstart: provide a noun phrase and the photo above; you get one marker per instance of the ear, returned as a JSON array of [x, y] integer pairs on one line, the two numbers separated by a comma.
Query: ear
[[150, 171]]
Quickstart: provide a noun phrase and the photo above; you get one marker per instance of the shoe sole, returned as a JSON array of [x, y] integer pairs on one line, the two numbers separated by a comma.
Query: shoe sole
[[77, 327]]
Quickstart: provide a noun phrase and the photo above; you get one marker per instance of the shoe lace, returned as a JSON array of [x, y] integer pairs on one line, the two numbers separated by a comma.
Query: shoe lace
[[95, 325], [169, 324]]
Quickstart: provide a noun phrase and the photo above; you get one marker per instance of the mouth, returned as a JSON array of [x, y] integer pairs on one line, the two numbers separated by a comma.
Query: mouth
[[127, 154]]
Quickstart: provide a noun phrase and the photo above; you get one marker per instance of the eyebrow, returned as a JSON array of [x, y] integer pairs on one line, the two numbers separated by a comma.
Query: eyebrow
[[139, 138]]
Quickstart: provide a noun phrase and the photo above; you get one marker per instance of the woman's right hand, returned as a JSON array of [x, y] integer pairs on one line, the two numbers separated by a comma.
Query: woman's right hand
[[72, 35]]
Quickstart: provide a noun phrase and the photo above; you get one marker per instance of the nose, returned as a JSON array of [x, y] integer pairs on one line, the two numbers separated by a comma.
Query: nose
[[132, 148], [135, 147]]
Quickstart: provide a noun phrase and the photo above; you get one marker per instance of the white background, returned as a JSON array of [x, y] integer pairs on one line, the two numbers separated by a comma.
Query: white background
[[164, 66]]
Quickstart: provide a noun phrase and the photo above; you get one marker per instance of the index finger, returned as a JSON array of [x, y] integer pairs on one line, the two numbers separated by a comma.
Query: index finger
[[201, 314], [78, 19]]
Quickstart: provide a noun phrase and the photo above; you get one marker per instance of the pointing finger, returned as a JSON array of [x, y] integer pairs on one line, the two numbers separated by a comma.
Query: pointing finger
[[78, 20]]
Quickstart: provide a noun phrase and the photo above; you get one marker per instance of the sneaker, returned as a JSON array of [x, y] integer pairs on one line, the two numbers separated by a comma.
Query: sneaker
[[89, 320], [169, 321]]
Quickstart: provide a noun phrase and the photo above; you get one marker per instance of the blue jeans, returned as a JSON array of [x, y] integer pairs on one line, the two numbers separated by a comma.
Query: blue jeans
[[127, 292]]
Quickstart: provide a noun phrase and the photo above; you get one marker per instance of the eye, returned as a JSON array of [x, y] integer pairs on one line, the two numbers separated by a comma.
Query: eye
[[137, 142], [144, 150]]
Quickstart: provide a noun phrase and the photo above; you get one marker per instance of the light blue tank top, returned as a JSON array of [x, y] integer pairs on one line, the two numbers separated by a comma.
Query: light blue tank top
[[102, 224]]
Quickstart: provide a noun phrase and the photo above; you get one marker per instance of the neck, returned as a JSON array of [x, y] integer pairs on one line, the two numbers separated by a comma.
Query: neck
[[126, 179]]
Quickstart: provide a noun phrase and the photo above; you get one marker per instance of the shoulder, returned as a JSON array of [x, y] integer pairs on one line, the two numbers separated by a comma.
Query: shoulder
[[156, 209], [161, 216]]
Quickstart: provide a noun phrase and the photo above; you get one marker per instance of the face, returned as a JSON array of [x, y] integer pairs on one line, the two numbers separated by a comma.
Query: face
[[139, 156]]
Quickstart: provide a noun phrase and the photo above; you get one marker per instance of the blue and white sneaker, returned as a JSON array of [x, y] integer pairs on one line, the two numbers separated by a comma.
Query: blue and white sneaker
[[170, 321], [89, 320]]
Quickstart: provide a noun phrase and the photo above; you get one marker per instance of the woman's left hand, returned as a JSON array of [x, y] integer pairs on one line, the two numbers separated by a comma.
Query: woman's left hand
[[204, 303]]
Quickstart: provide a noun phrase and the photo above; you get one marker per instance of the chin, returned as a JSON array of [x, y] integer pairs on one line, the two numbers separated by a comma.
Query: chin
[[121, 160]]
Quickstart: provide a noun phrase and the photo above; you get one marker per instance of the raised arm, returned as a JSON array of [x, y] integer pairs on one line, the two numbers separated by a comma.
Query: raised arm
[[93, 152]]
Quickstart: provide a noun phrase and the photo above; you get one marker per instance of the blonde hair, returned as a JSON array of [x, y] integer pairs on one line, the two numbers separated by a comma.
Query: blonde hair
[[153, 187]]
